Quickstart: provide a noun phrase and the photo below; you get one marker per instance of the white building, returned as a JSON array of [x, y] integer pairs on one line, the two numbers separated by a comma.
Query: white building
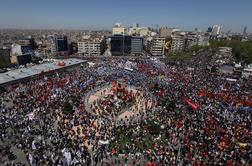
[[178, 43], [216, 30], [156, 46], [203, 40], [94, 47], [118, 29], [144, 31]]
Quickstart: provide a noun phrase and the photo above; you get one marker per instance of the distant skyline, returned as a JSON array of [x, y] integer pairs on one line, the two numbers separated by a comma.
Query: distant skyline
[[103, 14]]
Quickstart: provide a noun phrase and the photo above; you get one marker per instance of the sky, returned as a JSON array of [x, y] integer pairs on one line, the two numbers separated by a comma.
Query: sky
[[232, 15]]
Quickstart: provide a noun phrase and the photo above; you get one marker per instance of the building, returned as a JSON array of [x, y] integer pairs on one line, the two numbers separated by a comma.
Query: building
[[136, 45], [179, 43], [21, 55], [237, 37], [27, 42], [209, 29], [216, 30], [245, 31], [5, 58], [155, 46], [73, 47], [118, 29], [133, 31], [60, 45], [189, 42], [116, 45], [33, 71], [95, 47], [144, 31], [165, 32], [126, 45]]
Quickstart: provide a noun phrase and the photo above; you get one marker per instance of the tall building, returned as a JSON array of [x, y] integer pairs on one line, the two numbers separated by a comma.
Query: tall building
[[126, 45], [178, 43], [156, 46], [165, 32], [216, 30], [136, 45], [118, 29], [95, 47], [60, 45], [245, 31], [117, 45], [209, 29]]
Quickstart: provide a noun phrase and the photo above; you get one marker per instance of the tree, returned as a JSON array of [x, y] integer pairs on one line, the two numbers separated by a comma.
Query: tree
[[242, 51]]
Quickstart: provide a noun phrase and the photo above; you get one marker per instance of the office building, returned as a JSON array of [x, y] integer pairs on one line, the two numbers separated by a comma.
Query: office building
[[60, 45], [136, 45], [245, 31], [155, 46], [116, 45], [89, 47], [126, 45]]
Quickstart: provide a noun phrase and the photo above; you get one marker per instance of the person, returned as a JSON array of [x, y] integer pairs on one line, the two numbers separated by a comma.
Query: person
[[163, 127]]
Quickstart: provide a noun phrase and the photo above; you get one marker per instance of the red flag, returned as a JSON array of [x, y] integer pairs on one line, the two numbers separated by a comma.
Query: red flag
[[202, 93], [192, 104]]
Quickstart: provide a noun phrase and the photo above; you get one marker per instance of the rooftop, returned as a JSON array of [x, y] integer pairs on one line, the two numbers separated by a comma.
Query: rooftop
[[22, 73]]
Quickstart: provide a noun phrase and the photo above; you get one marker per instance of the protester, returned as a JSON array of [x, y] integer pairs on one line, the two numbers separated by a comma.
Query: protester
[[178, 116]]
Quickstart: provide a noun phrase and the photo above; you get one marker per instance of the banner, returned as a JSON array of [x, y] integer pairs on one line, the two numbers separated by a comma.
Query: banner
[[192, 104]]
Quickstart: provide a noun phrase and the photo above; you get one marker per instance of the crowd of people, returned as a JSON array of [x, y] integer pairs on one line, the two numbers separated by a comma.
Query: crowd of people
[[201, 118]]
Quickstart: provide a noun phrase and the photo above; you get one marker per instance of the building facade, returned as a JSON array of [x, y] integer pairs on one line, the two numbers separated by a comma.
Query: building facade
[[179, 43], [155, 46], [216, 30], [136, 45], [126, 45], [92, 47], [60, 45]]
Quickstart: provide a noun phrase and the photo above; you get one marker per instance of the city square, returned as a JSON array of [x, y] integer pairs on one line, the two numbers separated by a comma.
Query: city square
[[125, 83], [106, 114]]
